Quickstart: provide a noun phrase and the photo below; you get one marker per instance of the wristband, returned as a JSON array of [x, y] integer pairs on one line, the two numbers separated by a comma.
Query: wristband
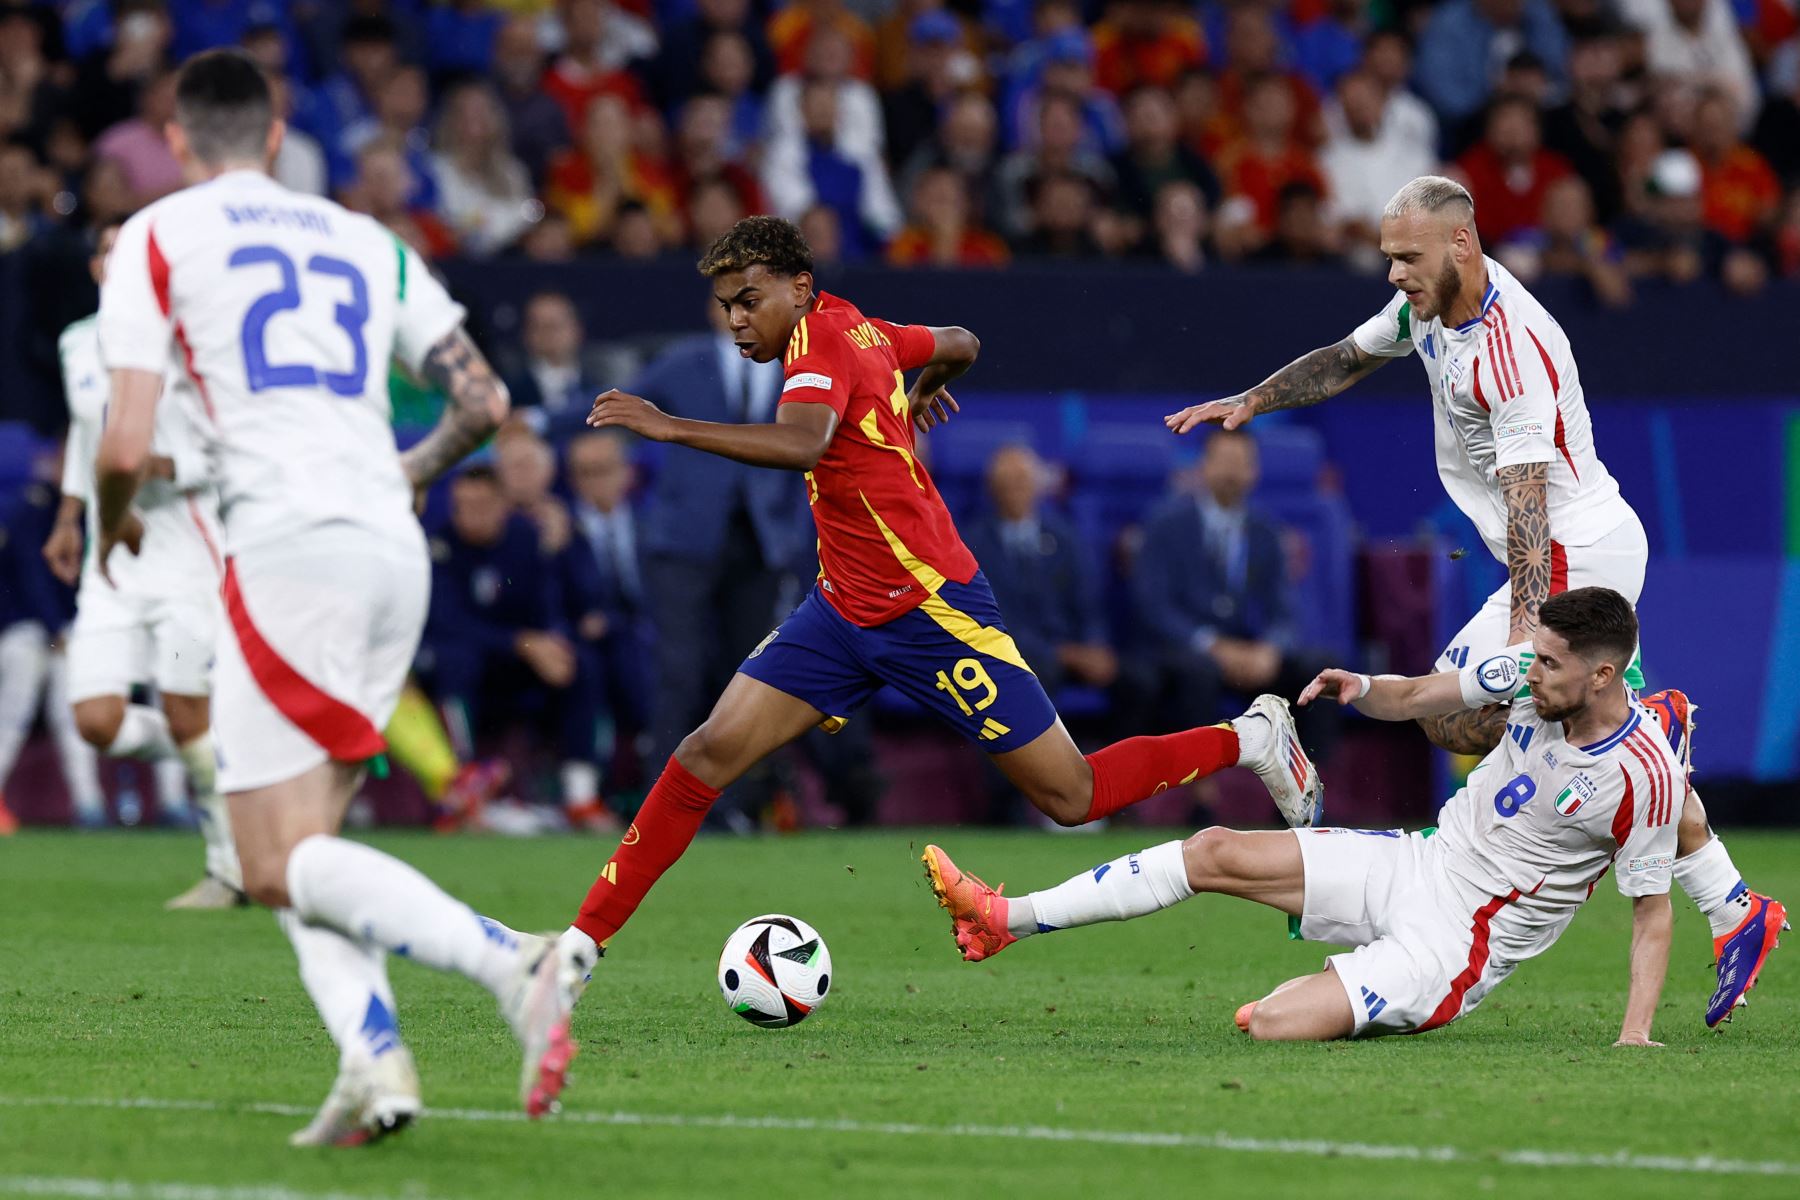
[[1367, 684]]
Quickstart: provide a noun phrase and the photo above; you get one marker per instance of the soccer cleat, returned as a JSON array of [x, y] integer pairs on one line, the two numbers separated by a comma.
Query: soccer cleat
[[537, 1007], [592, 816], [1292, 779], [467, 796], [1741, 955], [1241, 1018], [9, 824], [1675, 713], [977, 911], [210, 893], [370, 1100]]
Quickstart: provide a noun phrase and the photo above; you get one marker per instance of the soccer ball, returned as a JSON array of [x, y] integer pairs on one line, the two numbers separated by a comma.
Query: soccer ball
[[774, 970]]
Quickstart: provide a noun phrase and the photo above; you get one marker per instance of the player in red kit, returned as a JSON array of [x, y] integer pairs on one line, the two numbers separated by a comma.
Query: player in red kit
[[899, 598]]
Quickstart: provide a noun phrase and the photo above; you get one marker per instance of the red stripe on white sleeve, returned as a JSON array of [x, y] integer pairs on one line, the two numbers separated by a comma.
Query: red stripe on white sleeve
[[159, 272]]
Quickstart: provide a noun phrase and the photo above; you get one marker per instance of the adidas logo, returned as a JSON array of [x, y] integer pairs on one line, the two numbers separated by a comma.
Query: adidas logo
[[1373, 1003]]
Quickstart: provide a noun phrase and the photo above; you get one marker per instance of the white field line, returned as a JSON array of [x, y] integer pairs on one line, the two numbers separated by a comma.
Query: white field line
[[114, 1189], [1302, 1147]]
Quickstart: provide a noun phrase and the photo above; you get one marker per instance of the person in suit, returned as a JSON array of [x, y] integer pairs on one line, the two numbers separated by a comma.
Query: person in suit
[[1213, 602], [550, 393], [496, 640], [1043, 576], [603, 585], [724, 546]]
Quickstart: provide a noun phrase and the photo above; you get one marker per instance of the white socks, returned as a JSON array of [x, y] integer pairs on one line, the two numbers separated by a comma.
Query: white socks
[[143, 733], [24, 658], [1127, 887], [1714, 885], [80, 761], [348, 983], [215, 820], [1253, 732], [580, 783], [366, 895]]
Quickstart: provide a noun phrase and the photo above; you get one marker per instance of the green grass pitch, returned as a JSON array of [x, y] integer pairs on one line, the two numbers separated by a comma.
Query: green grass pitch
[[1115, 1044]]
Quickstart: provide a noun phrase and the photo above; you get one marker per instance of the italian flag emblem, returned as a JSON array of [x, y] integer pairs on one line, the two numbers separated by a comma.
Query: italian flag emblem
[[1569, 801]]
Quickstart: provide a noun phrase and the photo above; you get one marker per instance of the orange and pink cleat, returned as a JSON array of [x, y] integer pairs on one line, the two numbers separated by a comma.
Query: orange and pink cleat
[[977, 911]]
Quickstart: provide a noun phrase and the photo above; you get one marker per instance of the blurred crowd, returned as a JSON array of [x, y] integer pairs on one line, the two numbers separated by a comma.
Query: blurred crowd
[[592, 596], [1614, 140]]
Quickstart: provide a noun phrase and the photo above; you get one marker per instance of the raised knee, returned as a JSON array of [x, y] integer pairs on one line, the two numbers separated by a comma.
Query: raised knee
[[1207, 855], [1063, 808], [265, 879], [701, 751], [99, 724]]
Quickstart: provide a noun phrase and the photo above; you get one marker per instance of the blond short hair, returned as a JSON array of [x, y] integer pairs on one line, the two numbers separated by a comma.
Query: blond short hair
[[1432, 194]]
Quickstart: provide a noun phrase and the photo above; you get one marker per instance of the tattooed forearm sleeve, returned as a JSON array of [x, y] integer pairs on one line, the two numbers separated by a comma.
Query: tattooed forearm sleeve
[[1472, 731], [475, 404], [1313, 377], [1525, 488]]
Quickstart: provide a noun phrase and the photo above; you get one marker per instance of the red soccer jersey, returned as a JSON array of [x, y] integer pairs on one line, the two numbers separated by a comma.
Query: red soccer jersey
[[886, 541]]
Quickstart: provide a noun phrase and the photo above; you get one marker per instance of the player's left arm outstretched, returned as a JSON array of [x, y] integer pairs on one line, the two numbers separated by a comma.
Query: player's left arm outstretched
[[1491, 683]]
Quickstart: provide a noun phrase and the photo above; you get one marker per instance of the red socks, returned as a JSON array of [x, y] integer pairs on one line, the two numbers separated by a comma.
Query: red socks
[[667, 822], [1140, 767]]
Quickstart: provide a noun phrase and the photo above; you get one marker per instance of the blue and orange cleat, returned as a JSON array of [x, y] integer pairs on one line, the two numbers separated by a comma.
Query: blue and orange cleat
[[1742, 953], [977, 911], [1675, 713]]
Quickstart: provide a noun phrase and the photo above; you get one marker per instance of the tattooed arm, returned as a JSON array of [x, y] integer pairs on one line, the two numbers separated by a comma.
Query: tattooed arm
[[1307, 380], [475, 404], [1525, 488]]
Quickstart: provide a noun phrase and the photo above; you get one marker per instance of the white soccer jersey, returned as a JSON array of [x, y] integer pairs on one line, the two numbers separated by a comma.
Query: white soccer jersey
[[177, 559], [285, 310], [1505, 391], [1541, 820]]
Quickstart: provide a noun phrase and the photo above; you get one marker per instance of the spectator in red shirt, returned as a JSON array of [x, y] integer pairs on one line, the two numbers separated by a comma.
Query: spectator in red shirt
[[1257, 167], [941, 232], [1141, 42], [1739, 194], [1253, 52], [587, 68], [593, 180], [1509, 171]]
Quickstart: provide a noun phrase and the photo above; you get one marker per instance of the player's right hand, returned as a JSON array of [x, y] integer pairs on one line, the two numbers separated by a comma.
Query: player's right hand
[[63, 552], [1344, 686], [129, 534], [1230, 413]]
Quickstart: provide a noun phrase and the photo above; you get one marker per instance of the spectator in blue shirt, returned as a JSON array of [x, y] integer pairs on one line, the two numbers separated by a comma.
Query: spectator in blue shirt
[[459, 37], [1467, 44]]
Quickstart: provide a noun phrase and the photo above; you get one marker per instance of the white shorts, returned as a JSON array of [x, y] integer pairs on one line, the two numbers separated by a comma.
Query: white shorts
[[119, 640], [1428, 947], [320, 633], [1615, 561]]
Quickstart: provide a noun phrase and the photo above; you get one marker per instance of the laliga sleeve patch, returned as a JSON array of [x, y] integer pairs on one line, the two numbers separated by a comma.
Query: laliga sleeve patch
[[808, 379], [1498, 674]]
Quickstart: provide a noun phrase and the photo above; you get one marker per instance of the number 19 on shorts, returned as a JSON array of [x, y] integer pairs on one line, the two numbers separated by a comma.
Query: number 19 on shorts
[[973, 689]]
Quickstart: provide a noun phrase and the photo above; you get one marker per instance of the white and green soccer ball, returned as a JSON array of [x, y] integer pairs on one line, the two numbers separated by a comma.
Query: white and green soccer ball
[[774, 971]]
